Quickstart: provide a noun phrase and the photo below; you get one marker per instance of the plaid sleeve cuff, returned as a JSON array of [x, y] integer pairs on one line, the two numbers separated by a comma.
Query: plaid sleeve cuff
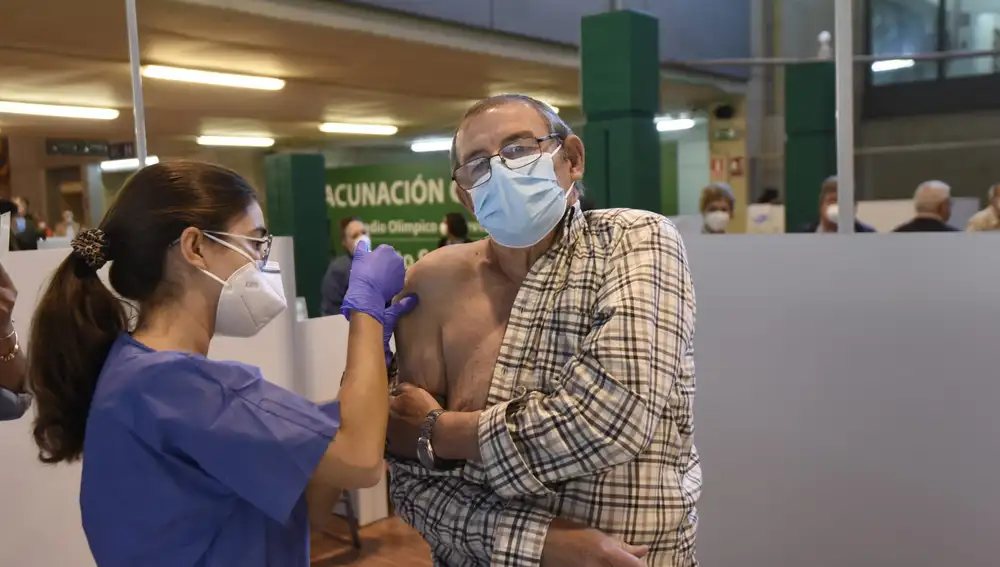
[[506, 471], [519, 538]]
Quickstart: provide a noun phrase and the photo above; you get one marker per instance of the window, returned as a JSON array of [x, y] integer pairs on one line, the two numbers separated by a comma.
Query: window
[[972, 25], [903, 27]]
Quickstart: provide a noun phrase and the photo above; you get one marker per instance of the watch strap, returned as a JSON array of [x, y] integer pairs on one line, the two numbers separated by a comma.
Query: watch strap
[[427, 428]]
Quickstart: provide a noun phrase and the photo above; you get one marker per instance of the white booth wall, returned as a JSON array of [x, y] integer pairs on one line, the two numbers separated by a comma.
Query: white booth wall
[[845, 410]]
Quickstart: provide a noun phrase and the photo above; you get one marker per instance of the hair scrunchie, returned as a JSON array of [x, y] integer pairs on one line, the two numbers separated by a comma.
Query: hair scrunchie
[[91, 246]]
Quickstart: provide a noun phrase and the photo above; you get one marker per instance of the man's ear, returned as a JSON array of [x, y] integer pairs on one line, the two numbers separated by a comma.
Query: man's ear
[[574, 152], [464, 197], [192, 243]]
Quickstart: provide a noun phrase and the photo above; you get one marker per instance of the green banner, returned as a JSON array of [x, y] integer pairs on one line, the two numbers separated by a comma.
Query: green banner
[[403, 204]]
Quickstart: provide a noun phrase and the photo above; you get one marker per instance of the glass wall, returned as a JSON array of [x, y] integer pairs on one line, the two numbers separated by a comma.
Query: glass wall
[[905, 27]]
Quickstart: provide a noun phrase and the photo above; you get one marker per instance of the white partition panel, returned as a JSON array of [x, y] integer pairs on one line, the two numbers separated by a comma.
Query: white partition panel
[[847, 400], [39, 510]]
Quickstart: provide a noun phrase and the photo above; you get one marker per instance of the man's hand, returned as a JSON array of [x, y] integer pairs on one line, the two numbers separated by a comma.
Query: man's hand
[[8, 295], [569, 543], [408, 409]]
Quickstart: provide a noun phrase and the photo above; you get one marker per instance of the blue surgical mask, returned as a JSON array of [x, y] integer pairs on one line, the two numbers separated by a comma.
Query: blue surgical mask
[[519, 206]]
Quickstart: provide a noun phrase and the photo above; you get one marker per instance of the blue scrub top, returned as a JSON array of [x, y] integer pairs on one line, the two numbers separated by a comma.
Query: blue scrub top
[[190, 462]]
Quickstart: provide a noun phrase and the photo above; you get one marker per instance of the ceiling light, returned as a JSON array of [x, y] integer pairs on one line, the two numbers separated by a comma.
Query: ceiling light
[[212, 78], [674, 124], [126, 164], [33, 109], [239, 141], [892, 65], [431, 145], [368, 129]]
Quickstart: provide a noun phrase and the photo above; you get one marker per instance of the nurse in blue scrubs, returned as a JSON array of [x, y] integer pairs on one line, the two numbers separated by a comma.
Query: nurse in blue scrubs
[[189, 461]]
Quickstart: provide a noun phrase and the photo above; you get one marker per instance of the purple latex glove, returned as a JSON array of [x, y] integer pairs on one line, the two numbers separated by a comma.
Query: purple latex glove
[[392, 314], [376, 277]]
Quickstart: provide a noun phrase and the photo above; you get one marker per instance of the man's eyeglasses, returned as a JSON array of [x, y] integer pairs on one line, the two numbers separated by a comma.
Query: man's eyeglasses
[[515, 155]]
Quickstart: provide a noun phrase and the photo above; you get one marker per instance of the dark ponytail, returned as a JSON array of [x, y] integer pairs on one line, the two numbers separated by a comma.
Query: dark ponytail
[[75, 324], [78, 318]]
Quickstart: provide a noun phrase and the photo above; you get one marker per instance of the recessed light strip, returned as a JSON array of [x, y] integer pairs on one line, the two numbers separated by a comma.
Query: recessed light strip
[[236, 141], [366, 129], [59, 111], [431, 145], [126, 164], [212, 78]]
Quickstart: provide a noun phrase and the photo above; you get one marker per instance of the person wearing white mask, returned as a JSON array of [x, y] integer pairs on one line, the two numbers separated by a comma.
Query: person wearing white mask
[[352, 231], [717, 205], [561, 350], [189, 461], [454, 230], [829, 211]]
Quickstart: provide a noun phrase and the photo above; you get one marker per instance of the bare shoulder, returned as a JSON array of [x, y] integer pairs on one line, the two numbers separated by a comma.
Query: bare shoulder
[[442, 270]]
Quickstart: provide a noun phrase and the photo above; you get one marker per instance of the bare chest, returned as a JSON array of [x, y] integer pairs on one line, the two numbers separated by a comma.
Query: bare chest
[[471, 338]]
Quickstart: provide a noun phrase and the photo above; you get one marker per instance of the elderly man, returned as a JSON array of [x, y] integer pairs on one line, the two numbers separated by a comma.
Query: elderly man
[[932, 202], [988, 218], [562, 349], [829, 211], [14, 400]]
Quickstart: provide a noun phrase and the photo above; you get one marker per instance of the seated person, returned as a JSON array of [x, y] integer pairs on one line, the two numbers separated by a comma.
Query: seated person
[[717, 205], [932, 203], [987, 219], [829, 211], [561, 347], [338, 274]]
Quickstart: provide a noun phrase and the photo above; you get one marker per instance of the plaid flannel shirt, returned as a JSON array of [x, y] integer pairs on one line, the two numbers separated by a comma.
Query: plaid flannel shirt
[[589, 414]]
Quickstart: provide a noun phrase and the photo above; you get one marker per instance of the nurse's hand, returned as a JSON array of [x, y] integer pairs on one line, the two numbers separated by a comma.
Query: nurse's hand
[[376, 277], [392, 314]]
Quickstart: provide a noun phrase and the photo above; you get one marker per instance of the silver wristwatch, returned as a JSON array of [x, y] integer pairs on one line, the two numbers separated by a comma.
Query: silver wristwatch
[[425, 449]]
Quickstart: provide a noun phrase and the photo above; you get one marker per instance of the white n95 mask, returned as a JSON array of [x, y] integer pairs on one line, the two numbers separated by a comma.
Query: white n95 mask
[[251, 297], [363, 238], [519, 207], [832, 213], [717, 221]]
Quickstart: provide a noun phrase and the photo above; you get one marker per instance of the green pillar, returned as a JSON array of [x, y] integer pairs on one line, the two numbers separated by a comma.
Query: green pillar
[[296, 207], [810, 138], [620, 70]]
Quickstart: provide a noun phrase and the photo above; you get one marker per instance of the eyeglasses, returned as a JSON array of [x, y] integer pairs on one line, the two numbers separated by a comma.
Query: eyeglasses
[[515, 155], [261, 244]]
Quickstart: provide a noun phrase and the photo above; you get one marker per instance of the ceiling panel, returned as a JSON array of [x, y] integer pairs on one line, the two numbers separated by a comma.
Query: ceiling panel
[[65, 52]]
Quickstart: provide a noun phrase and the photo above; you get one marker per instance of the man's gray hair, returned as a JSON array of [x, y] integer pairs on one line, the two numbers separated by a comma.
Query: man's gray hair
[[930, 195], [555, 124]]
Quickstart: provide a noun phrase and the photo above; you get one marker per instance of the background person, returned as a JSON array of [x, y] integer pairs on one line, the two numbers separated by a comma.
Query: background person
[[189, 461], [717, 205], [67, 227], [454, 230], [988, 218], [932, 203], [26, 227], [338, 273], [14, 399], [829, 211]]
